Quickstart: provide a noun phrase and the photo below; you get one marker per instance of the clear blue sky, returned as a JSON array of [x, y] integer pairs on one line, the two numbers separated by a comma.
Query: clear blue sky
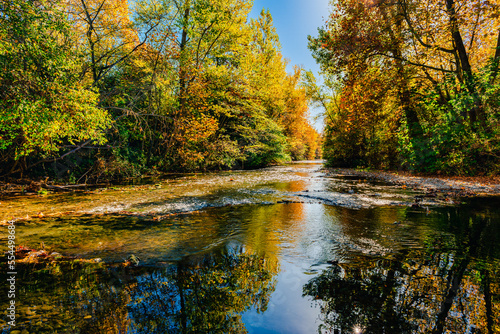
[[294, 20]]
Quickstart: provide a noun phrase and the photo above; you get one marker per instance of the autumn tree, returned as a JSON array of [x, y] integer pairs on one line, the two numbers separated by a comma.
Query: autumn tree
[[176, 85], [43, 103], [436, 58], [278, 92]]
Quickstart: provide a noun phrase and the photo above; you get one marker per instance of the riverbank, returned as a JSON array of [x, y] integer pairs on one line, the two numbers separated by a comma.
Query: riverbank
[[41, 186], [455, 185]]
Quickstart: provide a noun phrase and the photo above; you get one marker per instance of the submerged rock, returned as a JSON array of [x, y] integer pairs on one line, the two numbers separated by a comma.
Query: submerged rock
[[133, 260]]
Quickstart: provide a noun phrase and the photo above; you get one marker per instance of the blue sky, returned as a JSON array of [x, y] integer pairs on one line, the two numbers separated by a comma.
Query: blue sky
[[294, 20]]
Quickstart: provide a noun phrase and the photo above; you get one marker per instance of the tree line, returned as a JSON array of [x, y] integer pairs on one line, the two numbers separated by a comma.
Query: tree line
[[94, 89], [410, 84]]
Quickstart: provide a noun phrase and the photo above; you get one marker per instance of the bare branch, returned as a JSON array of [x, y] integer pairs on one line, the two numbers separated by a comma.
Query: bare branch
[[403, 6], [413, 63]]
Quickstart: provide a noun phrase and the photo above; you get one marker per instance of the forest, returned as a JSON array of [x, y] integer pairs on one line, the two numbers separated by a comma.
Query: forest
[[410, 85], [96, 89], [99, 90]]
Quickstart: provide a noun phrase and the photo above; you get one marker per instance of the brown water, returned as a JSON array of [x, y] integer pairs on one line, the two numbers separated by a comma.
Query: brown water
[[278, 250]]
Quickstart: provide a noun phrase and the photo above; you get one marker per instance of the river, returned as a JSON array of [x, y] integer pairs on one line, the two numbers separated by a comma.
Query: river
[[288, 249]]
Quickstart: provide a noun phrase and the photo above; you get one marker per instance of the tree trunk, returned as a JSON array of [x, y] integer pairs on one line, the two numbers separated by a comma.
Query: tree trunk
[[414, 127], [496, 60], [182, 65], [476, 112], [457, 272]]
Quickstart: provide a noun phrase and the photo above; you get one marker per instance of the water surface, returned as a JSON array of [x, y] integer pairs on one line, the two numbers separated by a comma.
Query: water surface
[[279, 250]]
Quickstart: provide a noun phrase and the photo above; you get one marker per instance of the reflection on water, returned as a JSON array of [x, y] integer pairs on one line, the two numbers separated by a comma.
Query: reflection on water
[[451, 284], [204, 294], [289, 267], [200, 294]]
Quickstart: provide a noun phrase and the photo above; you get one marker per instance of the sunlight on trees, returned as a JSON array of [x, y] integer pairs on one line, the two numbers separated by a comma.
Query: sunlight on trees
[[415, 81], [174, 85], [43, 103]]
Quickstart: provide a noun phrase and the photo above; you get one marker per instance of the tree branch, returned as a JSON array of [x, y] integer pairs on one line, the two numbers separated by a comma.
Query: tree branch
[[403, 6], [413, 63]]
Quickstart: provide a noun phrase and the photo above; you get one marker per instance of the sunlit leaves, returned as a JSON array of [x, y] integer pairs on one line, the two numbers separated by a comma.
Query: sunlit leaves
[[411, 63], [42, 101], [190, 84]]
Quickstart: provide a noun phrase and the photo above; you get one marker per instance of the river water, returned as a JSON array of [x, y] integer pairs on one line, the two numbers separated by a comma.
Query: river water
[[287, 249]]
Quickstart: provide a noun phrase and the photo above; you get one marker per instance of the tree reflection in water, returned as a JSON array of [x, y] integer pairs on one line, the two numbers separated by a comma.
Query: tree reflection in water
[[451, 286], [202, 295]]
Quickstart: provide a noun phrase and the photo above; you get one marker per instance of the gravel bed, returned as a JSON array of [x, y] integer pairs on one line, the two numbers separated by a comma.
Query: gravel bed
[[457, 186]]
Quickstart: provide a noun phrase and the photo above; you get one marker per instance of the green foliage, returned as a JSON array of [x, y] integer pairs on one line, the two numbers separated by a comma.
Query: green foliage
[[42, 103], [450, 144], [184, 85], [214, 103], [263, 141]]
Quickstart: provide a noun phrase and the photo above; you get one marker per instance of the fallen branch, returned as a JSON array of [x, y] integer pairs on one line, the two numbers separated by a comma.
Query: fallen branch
[[69, 187]]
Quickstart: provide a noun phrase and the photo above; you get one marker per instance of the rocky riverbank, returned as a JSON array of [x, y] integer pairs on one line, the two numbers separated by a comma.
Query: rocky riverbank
[[455, 185]]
